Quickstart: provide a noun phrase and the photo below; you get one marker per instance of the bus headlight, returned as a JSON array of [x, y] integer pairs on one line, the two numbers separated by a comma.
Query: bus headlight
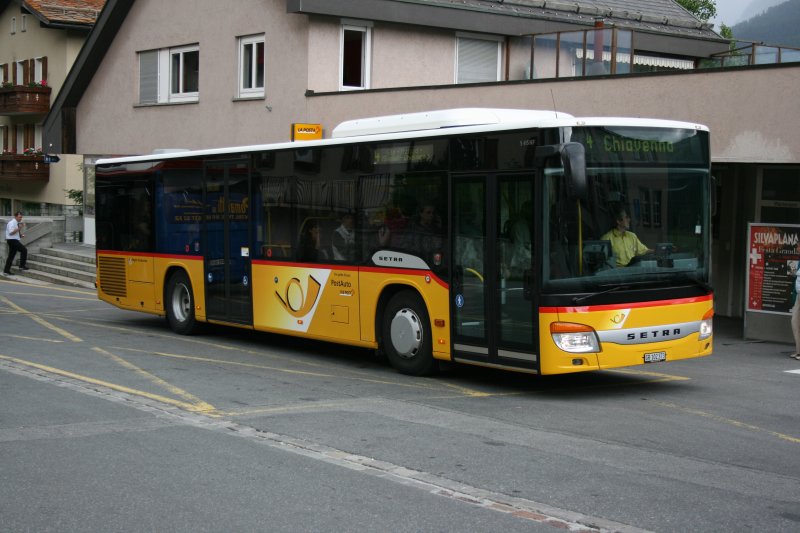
[[707, 326], [574, 338]]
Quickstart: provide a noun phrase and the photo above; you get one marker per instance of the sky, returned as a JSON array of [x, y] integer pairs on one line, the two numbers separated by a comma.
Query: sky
[[728, 11]]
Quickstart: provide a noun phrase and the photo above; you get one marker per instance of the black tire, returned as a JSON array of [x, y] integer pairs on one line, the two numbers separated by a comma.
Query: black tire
[[179, 304], [406, 335]]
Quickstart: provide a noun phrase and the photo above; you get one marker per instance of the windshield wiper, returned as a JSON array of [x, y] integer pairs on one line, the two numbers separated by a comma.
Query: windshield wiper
[[579, 299], [612, 288], [695, 281]]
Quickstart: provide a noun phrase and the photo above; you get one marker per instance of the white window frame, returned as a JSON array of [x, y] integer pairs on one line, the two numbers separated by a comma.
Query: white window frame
[[24, 22], [256, 91], [366, 53], [13, 25], [20, 68], [164, 94], [38, 70], [479, 37], [181, 95]]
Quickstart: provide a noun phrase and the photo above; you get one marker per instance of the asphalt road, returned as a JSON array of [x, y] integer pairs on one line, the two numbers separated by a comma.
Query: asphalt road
[[110, 422]]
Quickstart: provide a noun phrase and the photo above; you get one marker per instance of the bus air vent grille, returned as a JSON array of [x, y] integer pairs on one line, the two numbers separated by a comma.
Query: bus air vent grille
[[112, 276]]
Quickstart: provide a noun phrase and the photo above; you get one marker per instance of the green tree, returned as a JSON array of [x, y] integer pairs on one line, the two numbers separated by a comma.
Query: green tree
[[702, 9]]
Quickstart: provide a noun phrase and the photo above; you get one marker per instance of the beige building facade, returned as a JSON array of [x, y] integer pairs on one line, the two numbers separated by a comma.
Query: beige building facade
[[39, 42], [331, 62]]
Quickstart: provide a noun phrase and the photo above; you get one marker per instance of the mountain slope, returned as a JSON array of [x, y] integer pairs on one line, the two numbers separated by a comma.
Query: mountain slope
[[757, 7], [778, 25]]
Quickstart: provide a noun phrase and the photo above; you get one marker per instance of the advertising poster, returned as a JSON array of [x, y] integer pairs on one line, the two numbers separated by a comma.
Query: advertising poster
[[773, 257]]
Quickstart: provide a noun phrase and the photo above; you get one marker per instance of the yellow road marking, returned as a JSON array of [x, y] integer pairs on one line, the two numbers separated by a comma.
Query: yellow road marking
[[48, 295], [248, 411], [199, 404], [109, 385], [434, 386], [49, 289], [29, 338], [40, 320], [728, 421], [662, 377], [274, 368]]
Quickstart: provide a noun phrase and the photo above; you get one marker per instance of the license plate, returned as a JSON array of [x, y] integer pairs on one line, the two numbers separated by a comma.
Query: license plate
[[655, 357]]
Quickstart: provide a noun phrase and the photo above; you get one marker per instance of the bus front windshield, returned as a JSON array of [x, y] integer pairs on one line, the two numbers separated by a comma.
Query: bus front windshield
[[644, 219]]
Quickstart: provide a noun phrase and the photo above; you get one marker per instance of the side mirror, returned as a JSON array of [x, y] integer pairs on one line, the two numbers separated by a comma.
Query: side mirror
[[573, 158]]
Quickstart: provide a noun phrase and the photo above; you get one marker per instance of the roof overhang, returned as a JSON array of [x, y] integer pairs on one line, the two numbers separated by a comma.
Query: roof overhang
[[419, 14], [83, 69]]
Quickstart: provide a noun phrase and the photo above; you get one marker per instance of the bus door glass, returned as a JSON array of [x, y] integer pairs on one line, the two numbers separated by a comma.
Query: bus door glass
[[227, 242], [493, 284]]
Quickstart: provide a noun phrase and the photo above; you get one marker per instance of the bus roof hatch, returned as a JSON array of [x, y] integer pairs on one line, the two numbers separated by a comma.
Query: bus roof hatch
[[443, 118]]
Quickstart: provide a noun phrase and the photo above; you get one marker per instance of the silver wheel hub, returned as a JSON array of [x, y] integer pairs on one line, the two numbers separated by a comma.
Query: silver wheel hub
[[406, 333], [181, 302]]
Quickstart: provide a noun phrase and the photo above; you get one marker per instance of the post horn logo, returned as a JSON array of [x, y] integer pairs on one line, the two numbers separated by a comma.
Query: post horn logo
[[619, 318], [294, 301]]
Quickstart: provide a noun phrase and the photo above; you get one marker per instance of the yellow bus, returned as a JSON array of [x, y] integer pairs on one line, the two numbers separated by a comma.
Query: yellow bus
[[525, 240]]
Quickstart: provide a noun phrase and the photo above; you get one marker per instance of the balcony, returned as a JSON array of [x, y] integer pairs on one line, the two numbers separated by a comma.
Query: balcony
[[27, 168], [23, 100]]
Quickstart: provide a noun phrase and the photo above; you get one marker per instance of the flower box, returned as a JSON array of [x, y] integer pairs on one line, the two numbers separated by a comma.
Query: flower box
[[17, 167], [22, 100]]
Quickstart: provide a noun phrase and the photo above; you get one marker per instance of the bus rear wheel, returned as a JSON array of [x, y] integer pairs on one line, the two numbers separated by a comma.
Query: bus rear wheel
[[179, 303], [406, 335]]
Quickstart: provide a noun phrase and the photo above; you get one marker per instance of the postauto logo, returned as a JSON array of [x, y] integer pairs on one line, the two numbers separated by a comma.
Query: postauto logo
[[297, 302]]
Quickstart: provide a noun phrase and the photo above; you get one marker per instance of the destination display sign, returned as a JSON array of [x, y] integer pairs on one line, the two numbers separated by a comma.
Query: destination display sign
[[643, 145], [403, 154]]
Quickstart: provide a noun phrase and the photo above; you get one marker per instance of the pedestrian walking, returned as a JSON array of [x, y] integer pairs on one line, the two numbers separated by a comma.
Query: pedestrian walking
[[13, 236]]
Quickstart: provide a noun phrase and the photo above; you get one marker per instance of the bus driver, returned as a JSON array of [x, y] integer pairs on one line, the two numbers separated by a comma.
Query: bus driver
[[625, 244]]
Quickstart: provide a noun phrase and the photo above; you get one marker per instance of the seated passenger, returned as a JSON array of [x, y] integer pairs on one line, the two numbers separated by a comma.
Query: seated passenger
[[309, 248], [424, 235], [343, 240]]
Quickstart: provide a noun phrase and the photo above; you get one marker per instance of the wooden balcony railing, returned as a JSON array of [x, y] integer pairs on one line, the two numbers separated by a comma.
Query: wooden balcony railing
[[16, 167], [22, 100]]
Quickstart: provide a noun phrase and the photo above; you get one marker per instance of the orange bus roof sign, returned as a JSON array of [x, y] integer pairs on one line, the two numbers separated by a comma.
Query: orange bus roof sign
[[306, 132]]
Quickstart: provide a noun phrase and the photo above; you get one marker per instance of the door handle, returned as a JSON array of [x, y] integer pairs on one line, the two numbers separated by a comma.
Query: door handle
[[527, 284]]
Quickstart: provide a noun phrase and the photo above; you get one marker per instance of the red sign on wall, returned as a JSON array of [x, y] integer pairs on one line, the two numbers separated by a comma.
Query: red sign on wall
[[773, 258]]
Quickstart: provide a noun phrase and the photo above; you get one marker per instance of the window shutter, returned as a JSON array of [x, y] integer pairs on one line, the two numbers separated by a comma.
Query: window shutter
[[30, 136], [4, 71], [44, 68], [5, 138], [477, 60], [148, 77]]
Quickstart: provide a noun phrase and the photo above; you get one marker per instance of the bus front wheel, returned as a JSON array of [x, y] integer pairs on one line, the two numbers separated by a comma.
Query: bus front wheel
[[179, 303], [406, 335]]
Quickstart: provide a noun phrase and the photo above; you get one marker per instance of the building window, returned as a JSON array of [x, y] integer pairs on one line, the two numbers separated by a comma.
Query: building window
[[24, 23], [169, 75], [184, 73], [13, 25], [39, 70], [478, 59], [251, 67], [354, 63], [21, 73]]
